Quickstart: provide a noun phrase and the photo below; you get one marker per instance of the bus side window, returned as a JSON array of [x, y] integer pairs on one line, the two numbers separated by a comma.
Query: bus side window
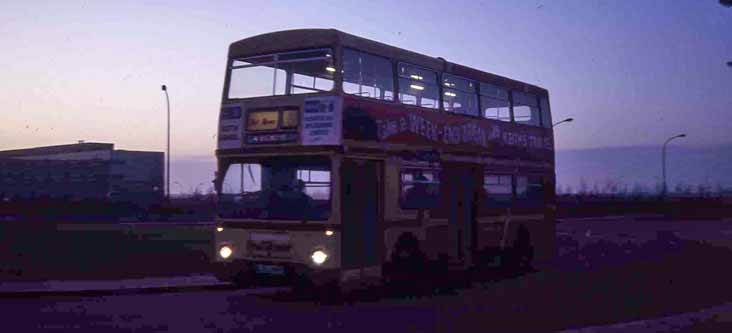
[[498, 189], [460, 95], [420, 188], [367, 75], [494, 101], [546, 116], [525, 109], [529, 191], [418, 86]]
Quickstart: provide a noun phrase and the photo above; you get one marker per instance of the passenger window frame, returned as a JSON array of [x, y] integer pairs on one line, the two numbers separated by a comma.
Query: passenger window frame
[[392, 76], [410, 80], [437, 172], [446, 88], [483, 93], [526, 100]]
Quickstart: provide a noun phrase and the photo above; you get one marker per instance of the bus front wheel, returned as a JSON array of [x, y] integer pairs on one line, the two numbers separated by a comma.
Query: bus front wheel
[[239, 275]]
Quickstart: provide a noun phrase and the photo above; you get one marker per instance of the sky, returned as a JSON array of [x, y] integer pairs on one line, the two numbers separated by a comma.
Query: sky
[[631, 73]]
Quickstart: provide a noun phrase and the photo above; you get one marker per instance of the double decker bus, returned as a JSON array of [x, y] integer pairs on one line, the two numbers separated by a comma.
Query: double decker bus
[[340, 158]]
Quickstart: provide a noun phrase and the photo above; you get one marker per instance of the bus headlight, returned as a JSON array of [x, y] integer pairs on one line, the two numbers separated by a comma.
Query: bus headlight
[[319, 257], [225, 251]]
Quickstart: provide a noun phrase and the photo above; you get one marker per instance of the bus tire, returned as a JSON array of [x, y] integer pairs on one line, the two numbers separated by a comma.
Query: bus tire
[[440, 274], [238, 275], [303, 287], [329, 293], [407, 273], [488, 265], [243, 279]]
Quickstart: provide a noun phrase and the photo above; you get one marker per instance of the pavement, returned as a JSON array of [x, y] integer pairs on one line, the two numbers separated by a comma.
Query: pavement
[[635, 217], [13, 289], [662, 324], [229, 311]]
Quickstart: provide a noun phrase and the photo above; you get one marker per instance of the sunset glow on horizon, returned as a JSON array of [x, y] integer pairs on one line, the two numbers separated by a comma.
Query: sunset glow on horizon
[[629, 73]]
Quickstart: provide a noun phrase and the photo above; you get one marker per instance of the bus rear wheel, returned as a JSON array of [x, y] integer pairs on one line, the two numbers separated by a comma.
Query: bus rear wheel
[[243, 279], [408, 271]]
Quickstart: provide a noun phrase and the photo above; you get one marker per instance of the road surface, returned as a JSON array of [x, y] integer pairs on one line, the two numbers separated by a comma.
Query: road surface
[[574, 296]]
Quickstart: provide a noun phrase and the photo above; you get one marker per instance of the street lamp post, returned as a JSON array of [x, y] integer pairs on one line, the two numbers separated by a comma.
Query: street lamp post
[[167, 154], [663, 162], [563, 121]]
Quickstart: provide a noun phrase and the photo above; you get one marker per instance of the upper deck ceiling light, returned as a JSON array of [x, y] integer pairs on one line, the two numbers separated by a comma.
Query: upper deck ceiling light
[[416, 77], [330, 69], [416, 87]]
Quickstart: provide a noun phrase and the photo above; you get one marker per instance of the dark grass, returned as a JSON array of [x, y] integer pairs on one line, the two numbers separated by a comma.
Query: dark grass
[[51, 253], [596, 205]]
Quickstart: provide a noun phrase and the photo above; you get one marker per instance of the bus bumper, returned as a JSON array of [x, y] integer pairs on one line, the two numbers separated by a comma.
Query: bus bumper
[[268, 273]]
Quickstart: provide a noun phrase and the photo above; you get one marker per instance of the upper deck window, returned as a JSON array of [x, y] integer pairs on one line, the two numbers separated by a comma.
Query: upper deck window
[[526, 109], [367, 75], [459, 95], [494, 102], [418, 86], [283, 73], [546, 115]]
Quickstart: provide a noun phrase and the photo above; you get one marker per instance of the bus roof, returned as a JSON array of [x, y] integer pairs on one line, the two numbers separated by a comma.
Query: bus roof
[[290, 40]]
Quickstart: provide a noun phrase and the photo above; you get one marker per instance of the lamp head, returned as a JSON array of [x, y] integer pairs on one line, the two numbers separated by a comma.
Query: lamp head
[[164, 88], [682, 135]]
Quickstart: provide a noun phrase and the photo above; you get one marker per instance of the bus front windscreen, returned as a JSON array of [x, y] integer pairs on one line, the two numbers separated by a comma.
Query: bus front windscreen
[[286, 73], [277, 189]]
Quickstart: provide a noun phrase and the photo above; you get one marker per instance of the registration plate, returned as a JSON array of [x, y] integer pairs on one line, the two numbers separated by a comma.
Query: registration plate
[[269, 237], [269, 269]]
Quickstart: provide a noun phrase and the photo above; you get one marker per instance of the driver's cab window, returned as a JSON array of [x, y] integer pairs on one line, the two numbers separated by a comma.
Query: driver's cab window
[[236, 174], [316, 183], [286, 189]]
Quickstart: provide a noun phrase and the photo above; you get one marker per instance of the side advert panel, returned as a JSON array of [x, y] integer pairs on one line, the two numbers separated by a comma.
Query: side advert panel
[[230, 127], [411, 126], [321, 121]]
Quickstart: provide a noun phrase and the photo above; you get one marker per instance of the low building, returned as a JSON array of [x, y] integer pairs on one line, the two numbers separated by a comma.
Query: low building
[[82, 171]]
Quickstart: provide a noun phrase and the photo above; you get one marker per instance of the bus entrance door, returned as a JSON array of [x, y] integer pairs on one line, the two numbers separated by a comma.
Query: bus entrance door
[[461, 182], [360, 214]]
